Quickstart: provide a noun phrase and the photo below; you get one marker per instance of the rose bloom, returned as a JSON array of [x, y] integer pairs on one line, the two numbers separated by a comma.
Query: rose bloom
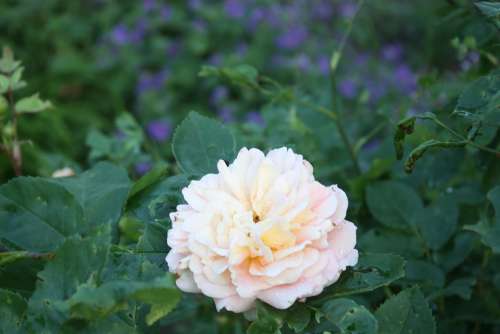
[[261, 228]]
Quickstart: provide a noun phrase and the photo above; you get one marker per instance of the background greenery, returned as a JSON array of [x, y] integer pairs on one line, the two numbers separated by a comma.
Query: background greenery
[[352, 86]]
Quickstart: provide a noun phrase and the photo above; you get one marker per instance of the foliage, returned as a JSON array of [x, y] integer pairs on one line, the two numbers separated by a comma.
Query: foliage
[[398, 103]]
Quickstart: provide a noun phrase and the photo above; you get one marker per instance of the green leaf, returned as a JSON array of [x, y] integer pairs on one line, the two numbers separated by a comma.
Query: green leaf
[[438, 222], [419, 151], [393, 203], [7, 62], [405, 127], [372, 272], [494, 197], [298, 317], [427, 275], [269, 320], [156, 201], [461, 287], [101, 192], [406, 313], [243, 74], [90, 302], [75, 263], [490, 234], [349, 317], [37, 215], [384, 240], [32, 104], [200, 142], [490, 9], [12, 310], [4, 84]]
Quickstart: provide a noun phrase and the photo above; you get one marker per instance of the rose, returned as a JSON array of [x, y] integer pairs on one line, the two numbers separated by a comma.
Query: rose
[[262, 228]]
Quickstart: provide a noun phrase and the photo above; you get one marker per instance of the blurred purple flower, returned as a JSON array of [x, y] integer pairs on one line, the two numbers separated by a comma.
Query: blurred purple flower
[[219, 94], [234, 8], [376, 88], [226, 114], [195, 4], [199, 25], [348, 88], [323, 10], [405, 79], [241, 49], [149, 5], [151, 81], [142, 168], [159, 130], [347, 9], [166, 12], [324, 65], [256, 18], [120, 35], [137, 34], [361, 59], [392, 52], [216, 59], [470, 60], [174, 48], [293, 37], [255, 118], [303, 62]]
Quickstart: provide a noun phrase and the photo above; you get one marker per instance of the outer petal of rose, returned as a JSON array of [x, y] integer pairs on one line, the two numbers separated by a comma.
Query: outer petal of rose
[[342, 238], [235, 303], [343, 202], [213, 290], [283, 296], [186, 283]]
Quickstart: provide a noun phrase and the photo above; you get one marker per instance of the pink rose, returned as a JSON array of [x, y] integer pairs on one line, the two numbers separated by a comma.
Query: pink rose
[[262, 228]]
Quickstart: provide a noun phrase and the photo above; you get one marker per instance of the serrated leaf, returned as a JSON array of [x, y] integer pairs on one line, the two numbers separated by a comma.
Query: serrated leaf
[[406, 313], [32, 104], [269, 320], [91, 302], [7, 62], [200, 142], [490, 9], [349, 317], [4, 84], [101, 191], [438, 222], [75, 263], [490, 234], [12, 310], [298, 317], [37, 215], [461, 287], [384, 240], [392, 203], [371, 272]]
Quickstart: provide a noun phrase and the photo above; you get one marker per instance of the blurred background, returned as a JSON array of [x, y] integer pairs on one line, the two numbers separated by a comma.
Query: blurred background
[[121, 75]]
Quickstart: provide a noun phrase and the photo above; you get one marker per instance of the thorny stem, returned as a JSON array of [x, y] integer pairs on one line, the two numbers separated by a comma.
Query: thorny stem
[[335, 102]]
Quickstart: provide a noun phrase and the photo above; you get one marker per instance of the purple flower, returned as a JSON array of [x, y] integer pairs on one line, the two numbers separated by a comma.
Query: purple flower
[[303, 62], [120, 35], [166, 12], [405, 79], [348, 88], [376, 88], [219, 94], [149, 81], [241, 49], [234, 8], [216, 59], [347, 9], [392, 52], [323, 10], [226, 114], [470, 60], [293, 37], [142, 168], [255, 118], [258, 15], [194, 4], [324, 65], [159, 130], [149, 5]]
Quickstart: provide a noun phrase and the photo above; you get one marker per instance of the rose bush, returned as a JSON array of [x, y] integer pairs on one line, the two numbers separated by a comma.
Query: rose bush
[[261, 228]]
